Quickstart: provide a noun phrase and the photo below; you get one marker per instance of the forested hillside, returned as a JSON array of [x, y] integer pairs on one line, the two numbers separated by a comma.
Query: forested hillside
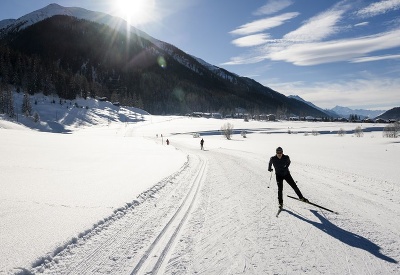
[[72, 57]]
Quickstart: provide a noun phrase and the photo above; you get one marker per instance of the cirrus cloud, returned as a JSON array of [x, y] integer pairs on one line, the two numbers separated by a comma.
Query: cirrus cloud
[[307, 54], [273, 6], [251, 40], [326, 95], [318, 27], [380, 7], [264, 24]]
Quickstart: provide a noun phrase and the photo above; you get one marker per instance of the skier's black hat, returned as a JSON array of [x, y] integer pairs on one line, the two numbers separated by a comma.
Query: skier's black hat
[[279, 149]]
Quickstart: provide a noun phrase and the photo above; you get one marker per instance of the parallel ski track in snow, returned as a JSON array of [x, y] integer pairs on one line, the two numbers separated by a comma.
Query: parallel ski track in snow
[[140, 241], [156, 255]]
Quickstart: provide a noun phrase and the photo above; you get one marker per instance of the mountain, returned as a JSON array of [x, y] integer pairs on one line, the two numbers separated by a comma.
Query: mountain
[[391, 114], [327, 113], [340, 111], [15, 25], [346, 112], [75, 52]]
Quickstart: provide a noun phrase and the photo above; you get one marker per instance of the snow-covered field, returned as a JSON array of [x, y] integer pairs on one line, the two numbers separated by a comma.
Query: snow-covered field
[[101, 193]]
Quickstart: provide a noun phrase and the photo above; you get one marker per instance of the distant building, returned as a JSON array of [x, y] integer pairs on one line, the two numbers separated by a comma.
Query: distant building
[[380, 120], [216, 115], [310, 118], [197, 114], [368, 120], [206, 115], [271, 117]]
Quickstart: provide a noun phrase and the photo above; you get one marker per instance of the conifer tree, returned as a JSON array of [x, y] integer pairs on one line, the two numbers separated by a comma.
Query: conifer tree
[[26, 105]]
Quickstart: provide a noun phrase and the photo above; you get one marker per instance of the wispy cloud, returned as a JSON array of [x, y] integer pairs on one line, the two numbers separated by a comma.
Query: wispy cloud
[[309, 45], [328, 37], [290, 47], [251, 40], [318, 27], [361, 24], [273, 6], [325, 94], [380, 7], [306, 54], [244, 59], [264, 24], [375, 58]]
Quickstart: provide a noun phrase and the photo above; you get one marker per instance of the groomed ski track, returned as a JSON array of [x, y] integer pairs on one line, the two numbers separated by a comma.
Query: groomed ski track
[[217, 216], [137, 240]]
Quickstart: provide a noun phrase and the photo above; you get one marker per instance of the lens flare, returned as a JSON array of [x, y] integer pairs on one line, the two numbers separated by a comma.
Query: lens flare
[[162, 62]]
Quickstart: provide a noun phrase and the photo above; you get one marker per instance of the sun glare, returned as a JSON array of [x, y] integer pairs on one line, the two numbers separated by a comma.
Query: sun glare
[[135, 11]]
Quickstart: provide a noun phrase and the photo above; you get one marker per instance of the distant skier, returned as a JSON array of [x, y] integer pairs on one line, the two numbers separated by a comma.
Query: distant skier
[[167, 142], [281, 163], [202, 144]]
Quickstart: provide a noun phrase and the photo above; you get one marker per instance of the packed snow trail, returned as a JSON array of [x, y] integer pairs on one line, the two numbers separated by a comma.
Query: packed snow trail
[[217, 216], [153, 259], [235, 231]]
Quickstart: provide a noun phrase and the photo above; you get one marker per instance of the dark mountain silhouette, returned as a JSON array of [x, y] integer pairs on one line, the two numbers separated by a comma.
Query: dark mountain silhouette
[[391, 114], [71, 57]]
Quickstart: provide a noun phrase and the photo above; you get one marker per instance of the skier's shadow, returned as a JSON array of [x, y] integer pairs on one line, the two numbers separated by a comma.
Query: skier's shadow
[[344, 236]]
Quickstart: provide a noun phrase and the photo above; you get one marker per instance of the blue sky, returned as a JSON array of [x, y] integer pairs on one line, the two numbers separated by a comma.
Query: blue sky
[[328, 52]]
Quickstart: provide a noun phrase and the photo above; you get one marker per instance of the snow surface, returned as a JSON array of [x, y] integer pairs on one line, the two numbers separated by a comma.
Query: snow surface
[[101, 193]]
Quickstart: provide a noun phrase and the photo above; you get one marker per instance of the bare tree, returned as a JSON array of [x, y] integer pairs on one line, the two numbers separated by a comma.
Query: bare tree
[[315, 132], [358, 132], [392, 130], [227, 130], [281, 112], [341, 132]]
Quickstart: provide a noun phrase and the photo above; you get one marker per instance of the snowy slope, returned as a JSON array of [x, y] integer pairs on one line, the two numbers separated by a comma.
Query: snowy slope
[[155, 210], [63, 116], [80, 13]]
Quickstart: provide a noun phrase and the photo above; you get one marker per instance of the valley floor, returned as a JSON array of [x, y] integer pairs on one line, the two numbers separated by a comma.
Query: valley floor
[[217, 216], [216, 213]]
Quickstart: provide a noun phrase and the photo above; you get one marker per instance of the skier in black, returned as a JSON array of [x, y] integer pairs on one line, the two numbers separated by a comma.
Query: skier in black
[[202, 144], [281, 163]]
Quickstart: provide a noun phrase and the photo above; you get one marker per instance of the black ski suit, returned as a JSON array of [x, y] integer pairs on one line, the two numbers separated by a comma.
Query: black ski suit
[[282, 173]]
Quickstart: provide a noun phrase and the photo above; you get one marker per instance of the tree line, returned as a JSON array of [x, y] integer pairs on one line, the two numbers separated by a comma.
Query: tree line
[[69, 57]]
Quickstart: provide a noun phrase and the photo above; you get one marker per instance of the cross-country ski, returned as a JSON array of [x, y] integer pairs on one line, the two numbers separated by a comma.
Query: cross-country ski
[[319, 206]]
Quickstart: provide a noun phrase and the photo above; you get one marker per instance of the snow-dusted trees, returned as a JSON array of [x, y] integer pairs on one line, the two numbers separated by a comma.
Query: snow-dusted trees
[[392, 130], [341, 132], [227, 130], [358, 132], [7, 102], [26, 106]]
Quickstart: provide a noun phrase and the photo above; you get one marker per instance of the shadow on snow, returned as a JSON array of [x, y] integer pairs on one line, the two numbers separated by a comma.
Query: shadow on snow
[[344, 236]]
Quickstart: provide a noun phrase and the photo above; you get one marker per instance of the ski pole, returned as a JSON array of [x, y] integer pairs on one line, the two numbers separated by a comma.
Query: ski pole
[[270, 180]]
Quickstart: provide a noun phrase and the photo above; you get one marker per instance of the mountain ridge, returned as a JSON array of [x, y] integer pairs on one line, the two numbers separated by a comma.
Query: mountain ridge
[[345, 112], [363, 113], [184, 83]]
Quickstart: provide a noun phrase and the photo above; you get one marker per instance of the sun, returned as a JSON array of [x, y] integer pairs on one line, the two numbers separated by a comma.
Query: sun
[[135, 11]]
